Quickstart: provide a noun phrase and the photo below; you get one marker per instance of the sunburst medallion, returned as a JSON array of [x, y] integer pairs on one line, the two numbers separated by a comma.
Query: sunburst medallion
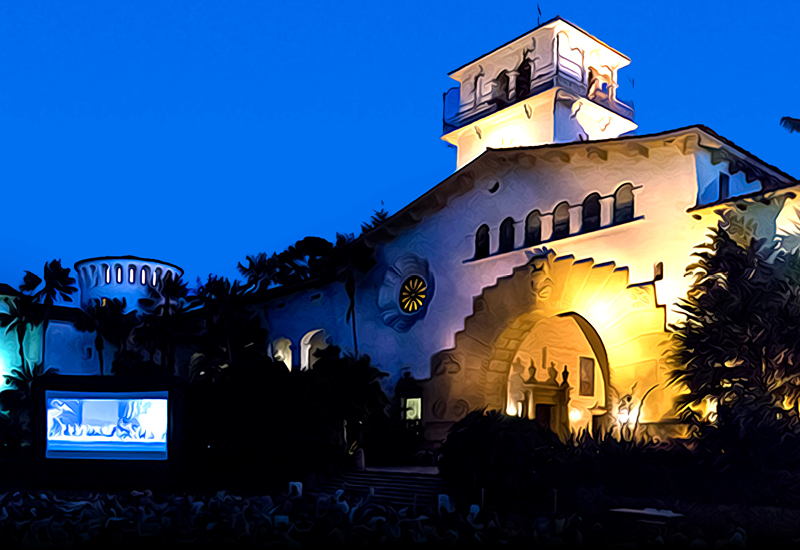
[[413, 294]]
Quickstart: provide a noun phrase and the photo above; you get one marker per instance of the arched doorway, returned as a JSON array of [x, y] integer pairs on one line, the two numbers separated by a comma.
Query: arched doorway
[[588, 316], [559, 376]]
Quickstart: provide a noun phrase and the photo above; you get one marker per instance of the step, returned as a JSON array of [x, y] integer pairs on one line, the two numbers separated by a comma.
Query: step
[[386, 475], [382, 483]]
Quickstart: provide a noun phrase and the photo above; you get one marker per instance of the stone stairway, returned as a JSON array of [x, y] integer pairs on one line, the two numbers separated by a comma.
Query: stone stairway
[[400, 487]]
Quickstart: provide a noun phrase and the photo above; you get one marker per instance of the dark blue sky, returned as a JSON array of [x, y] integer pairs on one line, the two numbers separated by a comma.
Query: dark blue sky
[[200, 132]]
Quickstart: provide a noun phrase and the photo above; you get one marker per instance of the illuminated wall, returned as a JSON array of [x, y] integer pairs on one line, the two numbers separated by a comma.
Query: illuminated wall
[[635, 271], [70, 351]]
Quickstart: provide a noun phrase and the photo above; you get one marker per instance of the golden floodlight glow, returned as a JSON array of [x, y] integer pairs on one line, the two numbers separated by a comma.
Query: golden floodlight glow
[[575, 415]]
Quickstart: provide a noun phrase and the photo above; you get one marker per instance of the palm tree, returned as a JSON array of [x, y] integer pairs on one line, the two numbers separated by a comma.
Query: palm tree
[[791, 124], [57, 284], [22, 312], [349, 256], [104, 318], [232, 335], [260, 272], [16, 402], [165, 319], [377, 219]]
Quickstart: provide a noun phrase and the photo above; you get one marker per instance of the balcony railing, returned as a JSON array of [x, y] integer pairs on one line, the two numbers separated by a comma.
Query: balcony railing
[[455, 117]]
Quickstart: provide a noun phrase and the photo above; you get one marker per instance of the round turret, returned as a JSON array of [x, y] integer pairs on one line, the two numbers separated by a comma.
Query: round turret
[[121, 277]]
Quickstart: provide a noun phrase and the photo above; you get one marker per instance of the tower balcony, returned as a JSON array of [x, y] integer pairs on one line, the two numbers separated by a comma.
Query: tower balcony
[[457, 114]]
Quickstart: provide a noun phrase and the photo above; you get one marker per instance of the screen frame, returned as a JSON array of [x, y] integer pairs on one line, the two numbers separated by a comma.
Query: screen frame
[[110, 450]]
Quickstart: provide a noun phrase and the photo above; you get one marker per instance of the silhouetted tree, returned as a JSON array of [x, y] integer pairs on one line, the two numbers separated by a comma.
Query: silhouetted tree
[[57, 284], [16, 403], [22, 312], [377, 219], [350, 256], [791, 124], [260, 272], [736, 346], [231, 335], [107, 319], [165, 320]]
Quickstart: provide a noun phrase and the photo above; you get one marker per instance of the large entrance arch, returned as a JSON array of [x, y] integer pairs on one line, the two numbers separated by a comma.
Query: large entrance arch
[[604, 336]]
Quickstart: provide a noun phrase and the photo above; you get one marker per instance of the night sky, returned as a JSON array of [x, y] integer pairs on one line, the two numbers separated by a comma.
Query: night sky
[[200, 132]]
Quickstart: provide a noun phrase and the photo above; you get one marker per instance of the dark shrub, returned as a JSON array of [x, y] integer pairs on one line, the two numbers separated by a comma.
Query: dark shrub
[[262, 422], [513, 459]]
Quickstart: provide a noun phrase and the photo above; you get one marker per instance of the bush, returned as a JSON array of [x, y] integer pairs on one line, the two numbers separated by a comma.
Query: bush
[[263, 422], [513, 459]]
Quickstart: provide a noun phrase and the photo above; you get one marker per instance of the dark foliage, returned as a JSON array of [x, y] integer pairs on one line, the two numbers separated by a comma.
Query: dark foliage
[[109, 322], [510, 458], [226, 333], [377, 219], [16, 400], [791, 124], [736, 350], [165, 322], [262, 421], [311, 258]]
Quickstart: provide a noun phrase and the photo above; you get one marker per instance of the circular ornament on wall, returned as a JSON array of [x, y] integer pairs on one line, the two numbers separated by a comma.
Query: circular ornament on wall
[[405, 293], [413, 294]]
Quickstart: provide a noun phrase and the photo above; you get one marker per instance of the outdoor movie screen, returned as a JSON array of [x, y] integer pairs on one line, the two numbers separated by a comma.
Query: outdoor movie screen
[[107, 425]]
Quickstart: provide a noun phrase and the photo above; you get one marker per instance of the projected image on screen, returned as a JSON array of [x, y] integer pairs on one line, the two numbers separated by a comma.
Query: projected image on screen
[[121, 426]]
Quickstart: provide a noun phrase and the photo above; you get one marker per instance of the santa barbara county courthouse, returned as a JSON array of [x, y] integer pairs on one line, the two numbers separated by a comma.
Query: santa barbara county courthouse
[[540, 277]]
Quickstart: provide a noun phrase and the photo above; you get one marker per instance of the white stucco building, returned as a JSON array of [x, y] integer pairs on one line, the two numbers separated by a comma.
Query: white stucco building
[[553, 254], [539, 277]]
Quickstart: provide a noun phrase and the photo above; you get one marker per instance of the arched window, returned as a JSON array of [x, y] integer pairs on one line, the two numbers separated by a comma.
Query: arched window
[[506, 235], [623, 203], [482, 242], [590, 217], [282, 351], [119, 273], [561, 221], [145, 273], [524, 80], [131, 273], [501, 90], [533, 229], [309, 344]]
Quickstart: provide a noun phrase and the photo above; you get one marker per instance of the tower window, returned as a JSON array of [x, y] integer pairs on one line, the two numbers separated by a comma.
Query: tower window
[[524, 80], [482, 242], [119, 274], [533, 229], [561, 221], [590, 218], [724, 186], [623, 203], [506, 235], [131, 274], [108, 275], [144, 275]]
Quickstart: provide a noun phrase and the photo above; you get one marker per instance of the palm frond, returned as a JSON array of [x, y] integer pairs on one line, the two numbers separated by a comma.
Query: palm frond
[[791, 124]]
